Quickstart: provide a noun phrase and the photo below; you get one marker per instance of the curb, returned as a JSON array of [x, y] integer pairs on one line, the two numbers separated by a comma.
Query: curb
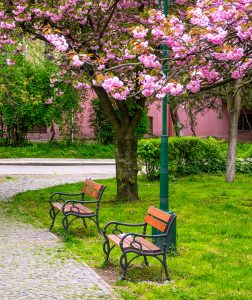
[[23, 162]]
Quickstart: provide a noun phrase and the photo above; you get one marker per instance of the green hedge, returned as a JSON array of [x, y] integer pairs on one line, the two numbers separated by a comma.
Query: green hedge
[[187, 155]]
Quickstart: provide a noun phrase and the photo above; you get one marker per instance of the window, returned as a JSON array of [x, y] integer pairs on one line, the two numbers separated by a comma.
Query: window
[[150, 125], [245, 122]]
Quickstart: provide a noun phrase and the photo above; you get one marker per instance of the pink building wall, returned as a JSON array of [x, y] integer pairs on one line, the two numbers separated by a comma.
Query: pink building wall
[[208, 124], [86, 130]]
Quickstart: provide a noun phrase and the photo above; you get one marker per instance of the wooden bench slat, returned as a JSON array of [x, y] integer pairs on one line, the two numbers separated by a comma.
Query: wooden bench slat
[[147, 246], [116, 240], [155, 223], [77, 208], [157, 213], [90, 192], [57, 205], [152, 247], [94, 185]]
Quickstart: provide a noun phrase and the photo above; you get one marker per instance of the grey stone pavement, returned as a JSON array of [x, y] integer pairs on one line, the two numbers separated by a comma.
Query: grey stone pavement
[[32, 265]]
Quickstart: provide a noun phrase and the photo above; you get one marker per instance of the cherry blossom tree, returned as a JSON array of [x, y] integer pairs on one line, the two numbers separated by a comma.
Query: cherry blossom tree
[[90, 39], [210, 46], [114, 47]]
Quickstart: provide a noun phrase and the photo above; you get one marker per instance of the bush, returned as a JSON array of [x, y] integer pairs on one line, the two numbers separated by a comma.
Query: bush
[[248, 152], [244, 165], [103, 130], [187, 155]]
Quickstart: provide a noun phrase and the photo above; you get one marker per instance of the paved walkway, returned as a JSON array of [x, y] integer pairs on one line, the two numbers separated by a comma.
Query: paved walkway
[[85, 167], [32, 265]]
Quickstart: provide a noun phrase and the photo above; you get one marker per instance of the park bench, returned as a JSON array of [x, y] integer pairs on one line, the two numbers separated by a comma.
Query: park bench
[[74, 206], [138, 244]]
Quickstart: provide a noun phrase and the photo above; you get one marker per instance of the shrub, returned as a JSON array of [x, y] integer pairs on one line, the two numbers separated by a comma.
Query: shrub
[[244, 165], [187, 155], [103, 130], [248, 153], [149, 156]]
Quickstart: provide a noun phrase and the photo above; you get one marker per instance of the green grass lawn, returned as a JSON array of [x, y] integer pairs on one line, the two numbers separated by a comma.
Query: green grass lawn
[[213, 237], [58, 150], [81, 150]]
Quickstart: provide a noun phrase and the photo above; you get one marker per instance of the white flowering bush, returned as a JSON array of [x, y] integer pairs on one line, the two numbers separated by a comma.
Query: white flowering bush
[[244, 165]]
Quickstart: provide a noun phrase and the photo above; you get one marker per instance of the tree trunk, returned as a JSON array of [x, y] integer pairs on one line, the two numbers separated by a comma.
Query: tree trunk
[[192, 121], [178, 127], [234, 109], [52, 132], [126, 166], [125, 123], [1, 126]]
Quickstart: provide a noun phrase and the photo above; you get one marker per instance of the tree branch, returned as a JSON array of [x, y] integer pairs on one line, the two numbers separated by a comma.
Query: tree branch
[[217, 84], [107, 105], [113, 8]]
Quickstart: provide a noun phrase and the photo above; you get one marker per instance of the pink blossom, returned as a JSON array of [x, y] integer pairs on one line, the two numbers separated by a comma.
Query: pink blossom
[[217, 37], [6, 25], [49, 101], [150, 61], [58, 41], [19, 10], [140, 32], [116, 88], [175, 89], [76, 61], [194, 86], [10, 62], [150, 85], [81, 86], [112, 83]]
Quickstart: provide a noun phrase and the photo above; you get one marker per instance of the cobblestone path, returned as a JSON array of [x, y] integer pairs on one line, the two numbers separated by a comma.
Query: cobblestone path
[[21, 183], [32, 266]]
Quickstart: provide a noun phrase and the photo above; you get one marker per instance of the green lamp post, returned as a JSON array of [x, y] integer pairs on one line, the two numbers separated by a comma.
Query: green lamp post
[[164, 176]]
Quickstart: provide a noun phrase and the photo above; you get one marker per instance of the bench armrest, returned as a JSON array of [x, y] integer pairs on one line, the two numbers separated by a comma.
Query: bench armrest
[[116, 229], [59, 194]]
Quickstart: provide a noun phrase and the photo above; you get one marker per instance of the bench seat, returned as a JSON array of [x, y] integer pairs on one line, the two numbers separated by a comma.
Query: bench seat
[[73, 208], [147, 246]]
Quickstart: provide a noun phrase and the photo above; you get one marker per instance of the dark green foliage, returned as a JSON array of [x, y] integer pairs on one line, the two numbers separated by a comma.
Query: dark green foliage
[[149, 157], [24, 90], [103, 129], [143, 125], [187, 155], [192, 155], [247, 151]]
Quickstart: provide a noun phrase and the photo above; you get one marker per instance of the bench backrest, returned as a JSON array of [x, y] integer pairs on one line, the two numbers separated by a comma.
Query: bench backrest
[[159, 219], [93, 189]]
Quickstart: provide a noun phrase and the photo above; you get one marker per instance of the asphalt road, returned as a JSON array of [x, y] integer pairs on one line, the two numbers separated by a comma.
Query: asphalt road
[[93, 168]]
